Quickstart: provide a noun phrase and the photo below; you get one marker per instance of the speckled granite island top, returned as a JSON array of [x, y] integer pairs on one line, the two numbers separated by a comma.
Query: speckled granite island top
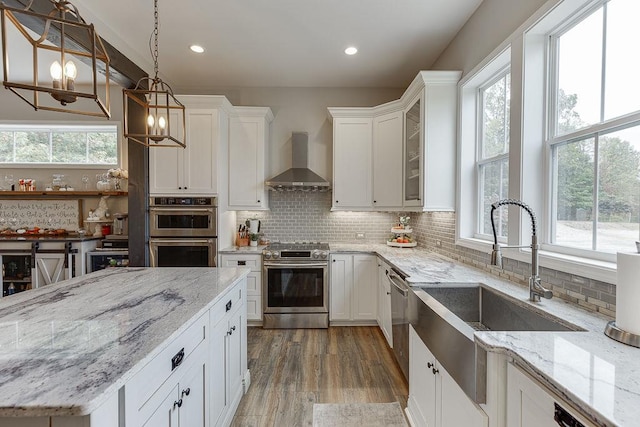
[[593, 372], [65, 348]]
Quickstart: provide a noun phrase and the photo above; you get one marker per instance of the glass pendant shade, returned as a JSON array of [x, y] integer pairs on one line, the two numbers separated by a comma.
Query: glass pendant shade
[[55, 62]]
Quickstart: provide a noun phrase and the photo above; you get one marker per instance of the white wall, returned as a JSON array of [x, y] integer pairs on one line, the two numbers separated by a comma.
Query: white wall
[[492, 23], [304, 109]]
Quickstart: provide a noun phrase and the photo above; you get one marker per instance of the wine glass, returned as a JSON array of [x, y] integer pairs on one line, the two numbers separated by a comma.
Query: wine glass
[[85, 182], [8, 178]]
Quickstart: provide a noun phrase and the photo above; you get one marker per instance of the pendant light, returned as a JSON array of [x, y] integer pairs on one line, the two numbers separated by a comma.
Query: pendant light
[[62, 53], [165, 115]]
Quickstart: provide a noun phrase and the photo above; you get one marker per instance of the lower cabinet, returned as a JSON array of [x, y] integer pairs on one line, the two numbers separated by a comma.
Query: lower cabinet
[[254, 281], [353, 293], [530, 405], [384, 301], [435, 400]]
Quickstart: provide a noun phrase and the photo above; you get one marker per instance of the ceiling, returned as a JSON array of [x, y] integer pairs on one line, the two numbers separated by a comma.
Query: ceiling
[[282, 43]]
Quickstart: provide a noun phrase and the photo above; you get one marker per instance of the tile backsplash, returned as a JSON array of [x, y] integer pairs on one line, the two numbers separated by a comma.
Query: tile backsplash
[[296, 216]]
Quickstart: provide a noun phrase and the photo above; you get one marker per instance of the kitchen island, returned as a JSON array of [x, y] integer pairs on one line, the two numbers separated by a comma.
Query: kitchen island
[[95, 349]]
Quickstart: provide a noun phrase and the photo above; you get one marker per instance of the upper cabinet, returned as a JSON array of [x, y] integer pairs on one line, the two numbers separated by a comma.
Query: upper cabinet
[[194, 169], [248, 140], [406, 159]]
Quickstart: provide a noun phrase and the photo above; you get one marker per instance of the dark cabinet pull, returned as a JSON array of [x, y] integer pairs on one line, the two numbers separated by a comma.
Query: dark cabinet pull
[[435, 371], [228, 306], [185, 392], [177, 359], [230, 332], [430, 365], [177, 403], [242, 262]]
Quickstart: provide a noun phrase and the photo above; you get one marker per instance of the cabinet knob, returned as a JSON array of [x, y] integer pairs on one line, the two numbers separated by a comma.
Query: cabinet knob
[[336, 201], [233, 328], [185, 392], [179, 188], [430, 365], [185, 188], [177, 403], [434, 370], [258, 201], [334, 260], [375, 201], [388, 293]]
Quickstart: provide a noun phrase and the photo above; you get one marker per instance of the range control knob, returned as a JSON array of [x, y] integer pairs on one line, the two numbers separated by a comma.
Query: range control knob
[[275, 254], [316, 254], [324, 254], [267, 254]]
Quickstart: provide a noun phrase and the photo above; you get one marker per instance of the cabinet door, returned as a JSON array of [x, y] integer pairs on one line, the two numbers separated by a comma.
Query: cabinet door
[[234, 355], [387, 161], [384, 303], [166, 165], [456, 408], [166, 415], [341, 287], [50, 269], [247, 140], [194, 392], [413, 154], [200, 156], [423, 387], [218, 400], [364, 299], [352, 146]]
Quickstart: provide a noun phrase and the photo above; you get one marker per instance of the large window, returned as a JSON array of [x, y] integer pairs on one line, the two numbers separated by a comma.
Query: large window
[[594, 130], [493, 150], [78, 145]]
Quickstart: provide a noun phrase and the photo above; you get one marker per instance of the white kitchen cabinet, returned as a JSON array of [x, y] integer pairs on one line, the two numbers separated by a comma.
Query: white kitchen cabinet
[[435, 400], [531, 405], [190, 170], [254, 281], [229, 359], [352, 168], [387, 156], [384, 301], [354, 282], [248, 142]]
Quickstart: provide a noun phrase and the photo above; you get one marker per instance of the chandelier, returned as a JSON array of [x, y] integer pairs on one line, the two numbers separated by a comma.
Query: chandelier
[[165, 115], [54, 62]]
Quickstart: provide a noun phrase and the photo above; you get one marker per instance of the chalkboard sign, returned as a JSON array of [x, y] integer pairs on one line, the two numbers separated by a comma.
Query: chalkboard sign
[[40, 213]]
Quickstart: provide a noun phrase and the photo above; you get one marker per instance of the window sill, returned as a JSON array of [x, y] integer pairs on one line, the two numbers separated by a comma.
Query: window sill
[[584, 267]]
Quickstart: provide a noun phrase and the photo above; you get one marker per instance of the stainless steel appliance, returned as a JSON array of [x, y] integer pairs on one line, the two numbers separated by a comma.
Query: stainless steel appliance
[[101, 259], [182, 231], [400, 318], [296, 285], [182, 217]]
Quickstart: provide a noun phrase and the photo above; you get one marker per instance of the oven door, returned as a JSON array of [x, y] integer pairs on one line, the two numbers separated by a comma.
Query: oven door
[[296, 288], [182, 252], [182, 222]]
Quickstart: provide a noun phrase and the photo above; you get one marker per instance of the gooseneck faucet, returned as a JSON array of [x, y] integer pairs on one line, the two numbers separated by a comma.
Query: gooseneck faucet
[[536, 290]]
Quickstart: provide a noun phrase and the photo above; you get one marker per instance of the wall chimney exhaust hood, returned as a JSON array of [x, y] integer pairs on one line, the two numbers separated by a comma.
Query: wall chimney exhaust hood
[[299, 177]]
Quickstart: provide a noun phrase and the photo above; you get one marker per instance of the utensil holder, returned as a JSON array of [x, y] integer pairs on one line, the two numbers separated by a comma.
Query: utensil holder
[[242, 241]]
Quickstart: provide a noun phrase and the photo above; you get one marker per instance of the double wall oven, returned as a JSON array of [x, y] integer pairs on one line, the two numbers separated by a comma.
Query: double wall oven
[[295, 285], [182, 231]]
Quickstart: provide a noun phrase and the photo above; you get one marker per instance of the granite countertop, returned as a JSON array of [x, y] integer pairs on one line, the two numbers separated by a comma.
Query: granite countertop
[[37, 238], [256, 250], [596, 374], [67, 347]]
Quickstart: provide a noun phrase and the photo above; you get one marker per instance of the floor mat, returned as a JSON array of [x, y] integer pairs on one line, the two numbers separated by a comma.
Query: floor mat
[[358, 415]]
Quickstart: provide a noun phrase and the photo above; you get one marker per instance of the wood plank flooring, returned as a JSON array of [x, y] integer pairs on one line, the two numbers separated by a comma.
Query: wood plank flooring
[[291, 369]]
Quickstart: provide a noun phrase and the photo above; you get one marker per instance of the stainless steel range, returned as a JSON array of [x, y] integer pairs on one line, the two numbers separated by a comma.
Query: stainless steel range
[[296, 285]]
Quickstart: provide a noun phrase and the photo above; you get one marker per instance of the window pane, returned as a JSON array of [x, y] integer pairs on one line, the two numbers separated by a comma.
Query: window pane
[[494, 186], [619, 190], [6, 147], [495, 118], [579, 74], [103, 147], [622, 86], [574, 193], [69, 147], [32, 147]]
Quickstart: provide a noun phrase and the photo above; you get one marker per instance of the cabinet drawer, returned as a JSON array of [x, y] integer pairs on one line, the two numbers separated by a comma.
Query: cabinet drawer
[[254, 262], [226, 304], [170, 360]]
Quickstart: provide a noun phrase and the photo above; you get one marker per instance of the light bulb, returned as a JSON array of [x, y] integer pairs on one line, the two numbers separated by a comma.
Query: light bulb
[[150, 120], [162, 123], [70, 70], [56, 71]]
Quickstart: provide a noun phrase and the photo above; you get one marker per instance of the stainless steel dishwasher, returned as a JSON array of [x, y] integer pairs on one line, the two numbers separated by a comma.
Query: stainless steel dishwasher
[[400, 318]]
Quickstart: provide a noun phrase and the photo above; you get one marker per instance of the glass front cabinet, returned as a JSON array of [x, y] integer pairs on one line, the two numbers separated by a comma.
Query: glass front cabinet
[[413, 153]]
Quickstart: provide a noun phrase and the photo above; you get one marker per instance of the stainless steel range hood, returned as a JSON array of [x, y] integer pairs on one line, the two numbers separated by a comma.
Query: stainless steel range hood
[[299, 177]]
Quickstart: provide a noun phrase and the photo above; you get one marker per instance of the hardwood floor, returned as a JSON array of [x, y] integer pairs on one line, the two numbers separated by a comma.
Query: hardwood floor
[[291, 369]]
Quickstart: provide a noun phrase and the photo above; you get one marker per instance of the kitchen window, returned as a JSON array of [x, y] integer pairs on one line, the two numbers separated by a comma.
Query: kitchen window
[[594, 132], [493, 150], [93, 145]]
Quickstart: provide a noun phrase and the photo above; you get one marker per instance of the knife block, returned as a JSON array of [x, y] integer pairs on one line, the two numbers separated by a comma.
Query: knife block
[[240, 241]]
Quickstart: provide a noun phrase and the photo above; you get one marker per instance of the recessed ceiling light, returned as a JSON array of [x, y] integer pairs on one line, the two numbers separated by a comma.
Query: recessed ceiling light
[[351, 50], [197, 49]]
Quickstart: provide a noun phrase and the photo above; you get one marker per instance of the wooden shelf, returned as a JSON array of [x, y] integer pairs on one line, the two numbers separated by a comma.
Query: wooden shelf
[[58, 194]]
